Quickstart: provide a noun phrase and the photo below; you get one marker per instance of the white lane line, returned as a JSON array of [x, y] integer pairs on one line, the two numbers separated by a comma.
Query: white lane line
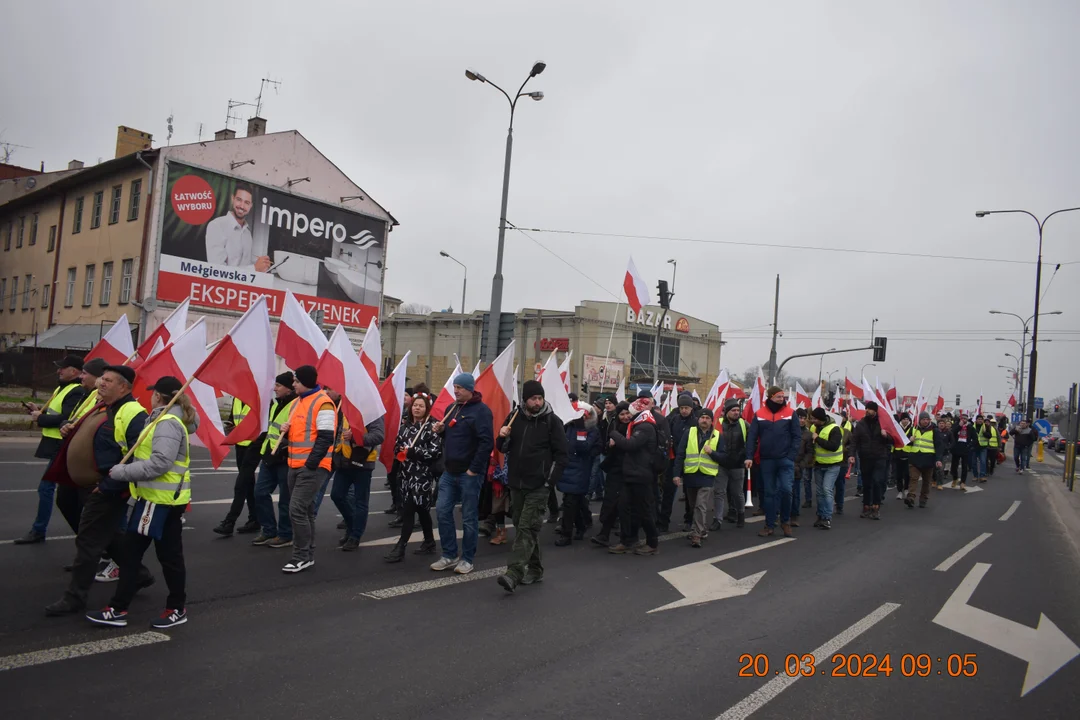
[[453, 579], [13, 662], [1009, 513], [227, 501], [756, 700], [50, 538], [23, 462], [959, 554], [20, 490]]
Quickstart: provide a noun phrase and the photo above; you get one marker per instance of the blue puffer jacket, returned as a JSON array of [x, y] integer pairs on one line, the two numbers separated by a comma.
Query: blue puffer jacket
[[775, 433], [583, 444], [468, 437]]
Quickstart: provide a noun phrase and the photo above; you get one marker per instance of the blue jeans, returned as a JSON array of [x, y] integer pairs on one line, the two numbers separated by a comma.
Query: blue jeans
[[353, 506], [777, 477], [1022, 456], [453, 489], [596, 480], [978, 457], [322, 491], [273, 478], [796, 494], [825, 481], [46, 492]]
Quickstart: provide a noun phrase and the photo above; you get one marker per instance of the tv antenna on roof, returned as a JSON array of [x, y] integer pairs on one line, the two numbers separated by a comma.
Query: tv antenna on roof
[[229, 116], [262, 88]]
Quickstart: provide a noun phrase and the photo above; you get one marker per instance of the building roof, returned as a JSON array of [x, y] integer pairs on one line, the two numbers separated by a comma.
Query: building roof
[[73, 178], [14, 171], [16, 187], [66, 337]]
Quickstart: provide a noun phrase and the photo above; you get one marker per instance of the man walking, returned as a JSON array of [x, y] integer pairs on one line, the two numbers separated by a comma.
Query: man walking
[[963, 444], [804, 469], [534, 441], [924, 456], [730, 484], [69, 498], [870, 447], [679, 422], [697, 465], [354, 459], [1023, 438], [828, 460], [274, 471], [468, 439], [247, 462], [776, 433], [310, 434]]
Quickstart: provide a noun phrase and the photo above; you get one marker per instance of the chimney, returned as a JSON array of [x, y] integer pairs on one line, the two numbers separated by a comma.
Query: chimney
[[225, 134], [129, 140], [256, 127], [75, 165]]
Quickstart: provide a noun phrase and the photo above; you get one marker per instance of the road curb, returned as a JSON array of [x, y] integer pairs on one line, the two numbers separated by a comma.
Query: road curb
[[1062, 504]]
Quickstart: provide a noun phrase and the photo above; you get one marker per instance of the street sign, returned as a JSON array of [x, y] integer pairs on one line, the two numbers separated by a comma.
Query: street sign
[[1016, 417], [1043, 427], [1038, 403]]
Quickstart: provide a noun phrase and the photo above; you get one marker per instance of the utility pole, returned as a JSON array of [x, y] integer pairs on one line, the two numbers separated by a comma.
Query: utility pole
[[775, 329], [665, 303]]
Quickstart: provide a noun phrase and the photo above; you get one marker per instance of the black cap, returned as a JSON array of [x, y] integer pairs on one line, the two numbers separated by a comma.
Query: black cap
[[122, 370], [706, 412], [70, 361], [166, 385], [644, 394], [285, 378], [820, 414], [307, 376], [94, 366]]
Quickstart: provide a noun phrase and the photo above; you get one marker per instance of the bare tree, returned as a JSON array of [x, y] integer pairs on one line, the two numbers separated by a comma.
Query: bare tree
[[414, 309]]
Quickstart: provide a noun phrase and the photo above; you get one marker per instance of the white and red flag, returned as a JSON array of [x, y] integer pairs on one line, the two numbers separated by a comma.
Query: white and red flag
[[115, 346], [657, 392], [393, 395], [885, 418], [517, 387], [620, 394], [757, 398], [637, 292], [564, 371], [446, 395], [340, 368], [892, 397], [371, 351], [173, 325], [496, 385], [714, 400], [852, 389], [816, 401], [791, 399], [300, 341], [242, 365], [181, 358], [802, 400], [978, 408], [920, 401], [556, 395]]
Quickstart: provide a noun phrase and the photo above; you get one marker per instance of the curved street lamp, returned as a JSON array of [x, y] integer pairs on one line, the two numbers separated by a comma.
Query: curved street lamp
[[464, 282]]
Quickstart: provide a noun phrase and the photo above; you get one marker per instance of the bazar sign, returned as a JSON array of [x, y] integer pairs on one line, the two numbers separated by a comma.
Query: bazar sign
[[555, 344], [651, 318]]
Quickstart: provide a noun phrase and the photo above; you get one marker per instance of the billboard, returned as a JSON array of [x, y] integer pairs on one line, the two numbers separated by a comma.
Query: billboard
[[225, 242], [607, 371]]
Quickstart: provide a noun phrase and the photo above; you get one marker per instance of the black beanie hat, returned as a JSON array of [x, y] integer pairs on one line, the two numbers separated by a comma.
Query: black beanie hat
[[730, 405], [820, 414], [285, 378], [644, 394], [307, 376], [707, 413], [686, 400], [531, 388]]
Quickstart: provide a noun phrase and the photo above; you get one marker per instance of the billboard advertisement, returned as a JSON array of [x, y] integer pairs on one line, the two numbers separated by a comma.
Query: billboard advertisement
[[608, 372], [225, 242]]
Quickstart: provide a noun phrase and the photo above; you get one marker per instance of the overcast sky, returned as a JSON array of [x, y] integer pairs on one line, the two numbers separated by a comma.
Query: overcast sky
[[868, 125]]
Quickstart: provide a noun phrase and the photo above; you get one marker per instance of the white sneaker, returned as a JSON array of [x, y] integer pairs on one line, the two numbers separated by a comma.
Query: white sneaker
[[111, 573], [463, 568], [900, 495], [445, 563], [298, 566]]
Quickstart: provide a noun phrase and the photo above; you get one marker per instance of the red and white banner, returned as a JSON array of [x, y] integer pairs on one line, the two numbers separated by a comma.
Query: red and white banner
[[555, 393], [371, 350], [714, 400], [564, 371], [340, 368], [299, 341], [802, 400], [173, 325], [637, 292], [757, 398], [446, 396], [496, 385], [1012, 400], [392, 393], [852, 389], [885, 418], [115, 347]]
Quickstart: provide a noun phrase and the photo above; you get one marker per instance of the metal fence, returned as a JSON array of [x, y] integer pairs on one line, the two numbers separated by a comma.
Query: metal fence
[[30, 368]]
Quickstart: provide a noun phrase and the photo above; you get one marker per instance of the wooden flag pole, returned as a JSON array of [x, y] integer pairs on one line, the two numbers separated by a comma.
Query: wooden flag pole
[[146, 430]]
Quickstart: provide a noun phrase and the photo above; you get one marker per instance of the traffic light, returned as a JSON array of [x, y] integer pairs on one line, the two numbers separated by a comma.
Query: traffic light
[[957, 401], [879, 349], [665, 296], [998, 404]]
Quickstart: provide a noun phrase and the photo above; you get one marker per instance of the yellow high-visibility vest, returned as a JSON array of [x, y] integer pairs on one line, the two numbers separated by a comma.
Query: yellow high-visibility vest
[[174, 486], [699, 461], [922, 441], [273, 433], [85, 406], [827, 457], [239, 412], [55, 406]]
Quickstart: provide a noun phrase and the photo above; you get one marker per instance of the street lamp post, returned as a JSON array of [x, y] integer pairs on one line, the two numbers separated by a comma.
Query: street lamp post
[[820, 362], [464, 282], [495, 310], [1034, 364], [862, 373], [1023, 347]]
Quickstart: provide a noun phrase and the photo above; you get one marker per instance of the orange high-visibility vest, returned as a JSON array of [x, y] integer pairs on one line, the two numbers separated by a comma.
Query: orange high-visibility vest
[[302, 430]]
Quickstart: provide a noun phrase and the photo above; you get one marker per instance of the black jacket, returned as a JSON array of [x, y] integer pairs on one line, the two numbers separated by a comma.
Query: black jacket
[[638, 453], [732, 449], [613, 456], [926, 460], [665, 442], [535, 450], [1023, 438], [830, 444], [48, 447], [107, 452], [677, 426], [867, 442]]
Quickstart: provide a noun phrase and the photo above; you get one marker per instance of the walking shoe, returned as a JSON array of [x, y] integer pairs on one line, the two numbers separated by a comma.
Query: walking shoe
[[900, 495], [579, 535], [638, 544], [600, 539], [646, 550], [741, 521], [531, 578], [30, 538], [865, 512], [296, 566], [765, 532], [826, 525], [64, 606], [170, 618], [553, 519], [247, 528], [342, 540], [839, 510], [619, 549], [910, 501], [225, 528], [953, 485], [426, 548], [108, 616], [875, 515], [817, 523], [396, 522], [463, 568], [350, 545], [342, 525], [563, 541], [695, 541], [392, 510], [507, 583], [758, 511], [261, 539], [279, 542], [396, 554], [787, 529], [963, 487], [444, 563], [922, 503], [730, 517], [794, 521], [111, 573], [715, 525], [485, 529], [499, 538]]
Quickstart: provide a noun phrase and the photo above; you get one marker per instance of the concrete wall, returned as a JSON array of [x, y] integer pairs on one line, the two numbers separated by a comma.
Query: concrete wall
[[35, 260]]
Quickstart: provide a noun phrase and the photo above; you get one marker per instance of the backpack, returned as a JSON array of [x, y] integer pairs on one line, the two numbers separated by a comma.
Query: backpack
[[663, 444]]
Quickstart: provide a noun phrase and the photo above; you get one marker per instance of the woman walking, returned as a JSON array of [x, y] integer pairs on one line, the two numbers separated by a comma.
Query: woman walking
[[419, 450]]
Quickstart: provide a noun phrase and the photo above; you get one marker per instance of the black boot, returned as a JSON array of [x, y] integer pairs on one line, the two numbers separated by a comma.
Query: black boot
[[225, 528], [249, 527], [426, 548], [396, 522], [396, 554], [740, 520]]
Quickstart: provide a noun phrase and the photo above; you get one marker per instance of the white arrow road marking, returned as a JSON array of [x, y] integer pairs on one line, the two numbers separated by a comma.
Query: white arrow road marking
[[1009, 513], [702, 582], [13, 662], [756, 700], [970, 488], [1045, 648], [959, 554]]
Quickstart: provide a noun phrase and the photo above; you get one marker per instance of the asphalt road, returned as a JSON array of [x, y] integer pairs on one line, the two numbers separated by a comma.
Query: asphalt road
[[582, 644]]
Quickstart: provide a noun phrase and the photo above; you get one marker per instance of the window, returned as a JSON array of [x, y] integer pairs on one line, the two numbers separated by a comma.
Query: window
[[19, 237], [33, 230], [3, 292], [642, 348], [114, 206], [52, 238], [95, 215], [136, 198], [26, 292], [69, 296], [44, 296], [126, 269], [7, 235], [88, 286], [14, 292], [76, 223], [669, 355], [106, 283]]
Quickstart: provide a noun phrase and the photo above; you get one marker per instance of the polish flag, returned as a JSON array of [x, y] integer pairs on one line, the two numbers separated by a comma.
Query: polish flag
[[714, 400], [940, 404], [882, 395], [791, 399], [140, 390], [852, 389], [550, 361], [637, 292], [393, 394], [517, 387], [920, 403], [802, 400], [696, 396], [564, 371], [657, 391], [891, 395], [299, 341], [885, 418], [181, 358], [737, 392], [446, 395], [1012, 400], [115, 347], [815, 403], [857, 411], [978, 411], [757, 398], [371, 351], [242, 365], [476, 370], [620, 394], [556, 395], [496, 385], [175, 324], [340, 368]]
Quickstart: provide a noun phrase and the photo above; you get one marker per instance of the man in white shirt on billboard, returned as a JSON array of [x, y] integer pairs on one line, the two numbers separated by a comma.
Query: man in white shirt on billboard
[[228, 238]]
